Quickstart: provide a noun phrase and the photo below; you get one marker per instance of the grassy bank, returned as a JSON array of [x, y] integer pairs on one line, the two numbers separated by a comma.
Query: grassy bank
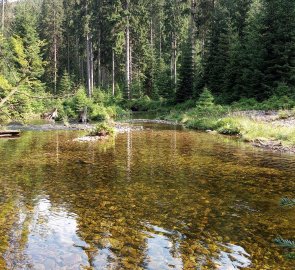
[[227, 120]]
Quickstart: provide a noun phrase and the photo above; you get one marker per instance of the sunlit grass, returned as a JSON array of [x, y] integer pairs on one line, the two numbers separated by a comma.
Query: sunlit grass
[[247, 128], [251, 130]]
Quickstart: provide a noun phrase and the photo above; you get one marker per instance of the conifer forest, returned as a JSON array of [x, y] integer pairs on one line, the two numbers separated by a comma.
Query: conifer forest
[[147, 134]]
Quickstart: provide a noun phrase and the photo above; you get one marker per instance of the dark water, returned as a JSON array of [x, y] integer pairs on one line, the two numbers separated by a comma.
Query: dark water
[[154, 199]]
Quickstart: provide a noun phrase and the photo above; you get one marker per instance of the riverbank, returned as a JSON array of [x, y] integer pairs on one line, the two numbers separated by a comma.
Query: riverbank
[[273, 130], [119, 127], [270, 130]]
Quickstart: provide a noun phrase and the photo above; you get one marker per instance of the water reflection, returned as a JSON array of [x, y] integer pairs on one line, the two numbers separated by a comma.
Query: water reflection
[[161, 252], [53, 242], [233, 257], [155, 199]]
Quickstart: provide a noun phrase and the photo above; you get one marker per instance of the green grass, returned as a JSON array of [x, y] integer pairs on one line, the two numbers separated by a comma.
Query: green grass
[[248, 129]]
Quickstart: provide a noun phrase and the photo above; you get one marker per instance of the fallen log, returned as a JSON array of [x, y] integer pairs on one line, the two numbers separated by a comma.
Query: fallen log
[[9, 133]]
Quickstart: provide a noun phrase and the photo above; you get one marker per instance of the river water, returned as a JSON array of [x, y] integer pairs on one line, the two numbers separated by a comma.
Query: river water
[[160, 198]]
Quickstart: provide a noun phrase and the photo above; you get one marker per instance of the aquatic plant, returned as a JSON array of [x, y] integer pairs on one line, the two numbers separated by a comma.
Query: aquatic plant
[[286, 243]]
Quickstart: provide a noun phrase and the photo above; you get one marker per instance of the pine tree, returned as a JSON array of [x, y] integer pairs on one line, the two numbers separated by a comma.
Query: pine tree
[[65, 84], [186, 74], [26, 30], [51, 24], [278, 39]]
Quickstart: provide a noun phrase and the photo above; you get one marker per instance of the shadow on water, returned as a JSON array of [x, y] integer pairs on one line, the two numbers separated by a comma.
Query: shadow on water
[[152, 199]]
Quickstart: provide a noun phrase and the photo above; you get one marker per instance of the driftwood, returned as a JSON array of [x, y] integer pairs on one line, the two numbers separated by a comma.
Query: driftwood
[[83, 116], [50, 115], [9, 133]]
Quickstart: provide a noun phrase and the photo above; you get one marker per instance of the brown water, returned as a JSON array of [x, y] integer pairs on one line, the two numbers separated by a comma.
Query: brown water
[[156, 199]]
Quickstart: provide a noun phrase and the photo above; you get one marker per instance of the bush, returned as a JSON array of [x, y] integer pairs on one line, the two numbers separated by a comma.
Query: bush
[[246, 104], [102, 129], [277, 103], [145, 104], [228, 126], [202, 123]]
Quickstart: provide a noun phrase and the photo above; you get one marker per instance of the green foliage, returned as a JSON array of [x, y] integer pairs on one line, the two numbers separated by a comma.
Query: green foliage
[[185, 89], [273, 103], [286, 202], [80, 100], [65, 84], [206, 99], [145, 104], [205, 123], [284, 243], [102, 129], [228, 126]]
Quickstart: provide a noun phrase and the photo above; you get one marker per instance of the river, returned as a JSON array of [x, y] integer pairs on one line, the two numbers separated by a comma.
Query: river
[[160, 198]]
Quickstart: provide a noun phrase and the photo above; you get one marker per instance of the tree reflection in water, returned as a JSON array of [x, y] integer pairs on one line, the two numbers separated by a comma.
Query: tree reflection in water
[[167, 199]]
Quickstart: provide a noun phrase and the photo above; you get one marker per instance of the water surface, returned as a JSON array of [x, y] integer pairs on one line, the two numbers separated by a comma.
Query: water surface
[[161, 198]]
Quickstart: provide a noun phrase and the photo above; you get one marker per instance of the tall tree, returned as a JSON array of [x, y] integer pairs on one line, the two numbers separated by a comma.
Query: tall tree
[[51, 25], [278, 39]]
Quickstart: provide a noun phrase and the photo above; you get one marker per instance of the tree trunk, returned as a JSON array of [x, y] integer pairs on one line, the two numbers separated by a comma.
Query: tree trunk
[[113, 72], [55, 52], [175, 61], [99, 60], [68, 52], [88, 60], [88, 56], [193, 30], [2, 17], [127, 66], [91, 67]]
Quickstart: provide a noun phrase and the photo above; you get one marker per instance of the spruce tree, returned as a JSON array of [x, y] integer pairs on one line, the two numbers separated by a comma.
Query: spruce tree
[[185, 89], [278, 39]]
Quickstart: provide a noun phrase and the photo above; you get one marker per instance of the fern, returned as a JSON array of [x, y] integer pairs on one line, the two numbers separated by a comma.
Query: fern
[[285, 243], [286, 202], [291, 256]]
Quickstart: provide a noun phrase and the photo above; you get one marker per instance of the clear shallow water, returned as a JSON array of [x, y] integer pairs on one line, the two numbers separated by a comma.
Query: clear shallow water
[[156, 199]]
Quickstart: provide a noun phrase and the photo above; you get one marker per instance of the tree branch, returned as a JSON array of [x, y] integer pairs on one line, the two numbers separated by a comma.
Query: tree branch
[[12, 92]]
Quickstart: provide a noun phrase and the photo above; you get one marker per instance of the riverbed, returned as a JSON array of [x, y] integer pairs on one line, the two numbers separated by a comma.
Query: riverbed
[[158, 198]]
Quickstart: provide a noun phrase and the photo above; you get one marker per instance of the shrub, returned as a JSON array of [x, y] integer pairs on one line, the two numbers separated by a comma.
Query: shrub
[[202, 123], [80, 100], [245, 104], [102, 129], [284, 114], [98, 112], [228, 126]]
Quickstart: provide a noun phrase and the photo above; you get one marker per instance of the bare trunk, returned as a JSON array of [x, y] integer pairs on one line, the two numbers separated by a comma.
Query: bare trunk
[[160, 44], [91, 67], [99, 60], [152, 34], [193, 29], [175, 62], [2, 17], [68, 51], [130, 64], [113, 72], [55, 53], [127, 66], [88, 59]]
